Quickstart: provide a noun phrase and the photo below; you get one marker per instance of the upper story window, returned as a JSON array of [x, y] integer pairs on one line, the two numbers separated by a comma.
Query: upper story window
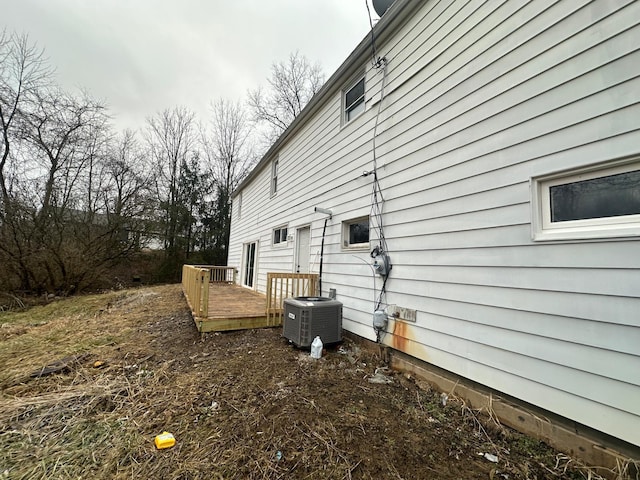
[[355, 233], [274, 177], [279, 235], [353, 100], [595, 202]]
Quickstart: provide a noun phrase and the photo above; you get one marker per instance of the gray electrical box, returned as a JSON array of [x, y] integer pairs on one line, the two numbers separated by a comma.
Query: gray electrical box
[[308, 317]]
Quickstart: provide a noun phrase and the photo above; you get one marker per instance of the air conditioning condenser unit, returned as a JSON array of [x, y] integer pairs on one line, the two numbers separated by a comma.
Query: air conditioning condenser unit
[[308, 317]]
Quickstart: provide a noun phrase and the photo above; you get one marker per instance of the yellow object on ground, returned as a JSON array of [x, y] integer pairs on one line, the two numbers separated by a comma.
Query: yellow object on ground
[[165, 440]]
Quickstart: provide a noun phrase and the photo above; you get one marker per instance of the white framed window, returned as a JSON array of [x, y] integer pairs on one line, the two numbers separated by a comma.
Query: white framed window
[[274, 177], [601, 201], [279, 236], [355, 233], [353, 100]]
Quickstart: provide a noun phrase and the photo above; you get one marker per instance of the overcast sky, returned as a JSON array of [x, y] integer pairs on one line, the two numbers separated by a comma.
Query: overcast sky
[[142, 56]]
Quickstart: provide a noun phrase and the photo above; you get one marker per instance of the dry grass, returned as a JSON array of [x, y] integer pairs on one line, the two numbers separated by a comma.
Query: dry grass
[[241, 405], [69, 425]]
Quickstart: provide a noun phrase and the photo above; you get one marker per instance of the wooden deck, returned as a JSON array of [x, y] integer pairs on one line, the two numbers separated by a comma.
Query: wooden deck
[[232, 307], [217, 303]]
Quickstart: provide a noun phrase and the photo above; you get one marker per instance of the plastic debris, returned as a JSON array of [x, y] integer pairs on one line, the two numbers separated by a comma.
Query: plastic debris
[[316, 348], [443, 399], [164, 440], [490, 457], [278, 455], [381, 376], [350, 356]]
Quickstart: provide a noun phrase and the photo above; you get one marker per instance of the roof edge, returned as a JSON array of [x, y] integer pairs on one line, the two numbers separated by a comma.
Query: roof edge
[[393, 18]]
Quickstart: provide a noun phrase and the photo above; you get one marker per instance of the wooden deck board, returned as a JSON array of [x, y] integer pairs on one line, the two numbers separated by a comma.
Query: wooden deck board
[[229, 301], [232, 307], [223, 305]]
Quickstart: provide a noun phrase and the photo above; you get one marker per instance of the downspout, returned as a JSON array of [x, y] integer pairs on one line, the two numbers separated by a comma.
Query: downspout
[[324, 229]]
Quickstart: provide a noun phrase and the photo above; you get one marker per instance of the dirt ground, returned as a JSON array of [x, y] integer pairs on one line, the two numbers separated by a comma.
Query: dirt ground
[[241, 405]]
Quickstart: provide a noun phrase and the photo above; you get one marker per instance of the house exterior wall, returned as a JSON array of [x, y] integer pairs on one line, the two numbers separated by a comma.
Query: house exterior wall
[[479, 98]]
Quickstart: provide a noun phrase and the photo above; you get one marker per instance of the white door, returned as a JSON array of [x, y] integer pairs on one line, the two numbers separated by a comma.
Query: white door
[[303, 239], [249, 274]]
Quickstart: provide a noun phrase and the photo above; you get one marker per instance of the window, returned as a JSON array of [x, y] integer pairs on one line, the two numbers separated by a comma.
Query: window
[[355, 233], [354, 100], [274, 177], [594, 202], [280, 235]]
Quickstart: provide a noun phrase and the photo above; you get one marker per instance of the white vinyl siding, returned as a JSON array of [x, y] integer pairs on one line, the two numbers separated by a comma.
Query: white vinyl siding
[[481, 97]]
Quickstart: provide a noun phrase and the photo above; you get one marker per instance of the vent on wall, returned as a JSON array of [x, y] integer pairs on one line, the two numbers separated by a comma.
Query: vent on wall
[[308, 317]]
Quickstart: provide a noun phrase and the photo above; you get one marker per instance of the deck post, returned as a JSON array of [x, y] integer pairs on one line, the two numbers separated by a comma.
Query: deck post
[[195, 284], [284, 285], [198, 280], [204, 288]]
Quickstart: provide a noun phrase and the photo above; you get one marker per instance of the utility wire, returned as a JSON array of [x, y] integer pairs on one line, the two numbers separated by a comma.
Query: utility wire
[[377, 198], [374, 54]]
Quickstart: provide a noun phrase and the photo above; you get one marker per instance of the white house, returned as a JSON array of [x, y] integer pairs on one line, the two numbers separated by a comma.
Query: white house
[[492, 150]]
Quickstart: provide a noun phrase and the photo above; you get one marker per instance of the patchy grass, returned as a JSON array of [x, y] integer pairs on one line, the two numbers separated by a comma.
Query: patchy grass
[[58, 329], [242, 405]]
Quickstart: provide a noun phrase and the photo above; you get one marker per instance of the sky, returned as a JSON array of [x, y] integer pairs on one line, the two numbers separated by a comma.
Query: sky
[[143, 56]]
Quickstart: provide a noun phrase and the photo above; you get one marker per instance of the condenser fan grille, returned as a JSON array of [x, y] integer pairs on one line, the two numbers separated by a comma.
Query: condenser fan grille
[[308, 317]]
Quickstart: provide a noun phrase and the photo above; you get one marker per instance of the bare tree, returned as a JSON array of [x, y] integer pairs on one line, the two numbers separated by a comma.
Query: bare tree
[[128, 178], [23, 73], [170, 136], [124, 193], [290, 87], [52, 239], [74, 199], [227, 143], [61, 130], [228, 149], [116, 221]]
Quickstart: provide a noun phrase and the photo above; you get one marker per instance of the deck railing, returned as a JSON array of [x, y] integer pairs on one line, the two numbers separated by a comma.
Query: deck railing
[[284, 285], [195, 283], [220, 274]]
